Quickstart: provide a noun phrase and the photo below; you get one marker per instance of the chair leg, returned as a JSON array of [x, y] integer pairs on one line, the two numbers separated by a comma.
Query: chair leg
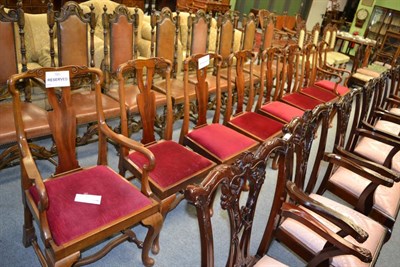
[[64, 262], [154, 224], [28, 229]]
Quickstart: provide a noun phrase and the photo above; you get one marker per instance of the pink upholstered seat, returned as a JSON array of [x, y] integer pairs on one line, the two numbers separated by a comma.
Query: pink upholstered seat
[[174, 163], [377, 152], [221, 141], [316, 243], [267, 261], [330, 85], [395, 111], [386, 199], [388, 126], [282, 110], [259, 126], [70, 220], [301, 101]]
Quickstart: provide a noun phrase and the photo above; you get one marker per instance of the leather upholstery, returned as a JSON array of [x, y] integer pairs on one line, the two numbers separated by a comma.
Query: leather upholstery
[[7, 45], [121, 45]]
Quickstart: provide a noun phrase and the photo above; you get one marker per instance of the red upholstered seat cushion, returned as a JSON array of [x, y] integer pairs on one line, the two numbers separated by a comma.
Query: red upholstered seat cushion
[[301, 101], [282, 110], [69, 219], [257, 124], [318, 93], [221, 141], [330, 85], [174, 163]]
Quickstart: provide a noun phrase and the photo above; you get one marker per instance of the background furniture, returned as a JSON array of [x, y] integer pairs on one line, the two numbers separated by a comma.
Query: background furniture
[[382, 20]]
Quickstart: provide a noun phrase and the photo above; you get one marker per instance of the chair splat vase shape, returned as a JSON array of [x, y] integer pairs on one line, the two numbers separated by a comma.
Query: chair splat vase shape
[[175, 165], [67, 227], [213, 140]]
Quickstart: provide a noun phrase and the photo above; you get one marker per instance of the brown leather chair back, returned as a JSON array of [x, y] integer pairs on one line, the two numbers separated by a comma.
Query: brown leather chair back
[[226, 35], [249, 32], [200, 27], [72, 35]]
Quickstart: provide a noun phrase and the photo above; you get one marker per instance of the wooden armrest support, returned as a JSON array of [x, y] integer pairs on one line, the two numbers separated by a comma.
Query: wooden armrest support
[[386, 172], [372, 128], [369, 174], [300, 215], [378, 137], [346, 224]]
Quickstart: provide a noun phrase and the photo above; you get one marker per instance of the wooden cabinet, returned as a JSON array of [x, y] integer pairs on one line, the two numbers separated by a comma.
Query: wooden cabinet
[[382, 20]]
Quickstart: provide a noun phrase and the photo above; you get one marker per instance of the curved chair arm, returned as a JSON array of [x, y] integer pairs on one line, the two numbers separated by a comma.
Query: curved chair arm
[[344, 162], [344, 223], [379, 168], [292, 211]]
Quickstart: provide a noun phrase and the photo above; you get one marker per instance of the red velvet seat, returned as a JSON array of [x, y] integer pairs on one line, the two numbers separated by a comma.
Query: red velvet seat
[[282, 111], [330, 85], [68, 228], [301, 101], [222, 142], [318, 93], [175, 166], [70, 220]]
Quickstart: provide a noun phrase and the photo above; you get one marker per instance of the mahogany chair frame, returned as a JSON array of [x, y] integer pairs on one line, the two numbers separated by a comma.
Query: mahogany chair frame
[[165, 185], [301, 134], [41, 196], [200, 118]]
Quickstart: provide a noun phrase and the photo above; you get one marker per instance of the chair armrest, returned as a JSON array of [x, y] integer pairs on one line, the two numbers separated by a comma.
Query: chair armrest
[[344, 223], [379, 137], [386, 172], [292, 211], [342, 161]]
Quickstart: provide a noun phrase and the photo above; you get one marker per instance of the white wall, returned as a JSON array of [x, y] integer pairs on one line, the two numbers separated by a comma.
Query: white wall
[[318, 9]]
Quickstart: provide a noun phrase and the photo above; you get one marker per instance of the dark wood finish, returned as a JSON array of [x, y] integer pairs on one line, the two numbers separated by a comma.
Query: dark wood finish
[[241, 209], [301, 134], [63, 125], [218, 6], [171, 4]]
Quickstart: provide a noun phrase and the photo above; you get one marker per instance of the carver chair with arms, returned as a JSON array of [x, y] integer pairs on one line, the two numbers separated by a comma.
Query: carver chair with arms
[[35, 117], [302, 168], [377, 198], [175, 165], [241, 209], [68, 227], [75, 48]]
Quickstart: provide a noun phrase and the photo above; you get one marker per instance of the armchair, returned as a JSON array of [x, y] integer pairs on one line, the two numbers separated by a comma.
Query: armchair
[[68, 227]]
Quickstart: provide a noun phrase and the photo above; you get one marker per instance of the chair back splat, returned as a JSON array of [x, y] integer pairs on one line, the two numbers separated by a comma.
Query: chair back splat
[[67, 226]]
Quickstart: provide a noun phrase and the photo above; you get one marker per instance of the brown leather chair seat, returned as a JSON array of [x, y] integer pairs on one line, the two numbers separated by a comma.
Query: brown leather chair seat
[[35, 122], [177, 90]]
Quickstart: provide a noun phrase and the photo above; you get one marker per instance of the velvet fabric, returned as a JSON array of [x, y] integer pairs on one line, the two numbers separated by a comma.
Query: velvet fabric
[[174, 163], [282, 110], [330, 85], [69, 219], [318, 93], [221, 141], [301, 101], [257, 124]]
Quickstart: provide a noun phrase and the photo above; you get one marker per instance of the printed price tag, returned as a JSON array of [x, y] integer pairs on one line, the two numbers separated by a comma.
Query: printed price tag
[[57, 79], [86, 198], [204, 61]]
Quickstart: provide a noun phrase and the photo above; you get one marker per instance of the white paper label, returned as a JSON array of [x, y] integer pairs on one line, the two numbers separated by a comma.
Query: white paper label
[[204, 61], [86, 198], [57, 79]]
